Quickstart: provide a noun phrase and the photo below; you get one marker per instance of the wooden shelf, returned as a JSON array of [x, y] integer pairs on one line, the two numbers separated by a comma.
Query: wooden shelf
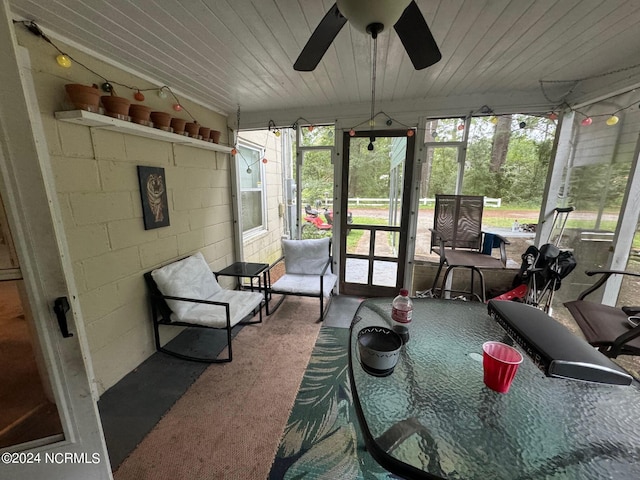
[[96, 120]]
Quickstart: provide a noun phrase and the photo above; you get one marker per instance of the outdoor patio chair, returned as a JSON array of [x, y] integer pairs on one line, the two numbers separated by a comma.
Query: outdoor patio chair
[[458, 238], [307, 272], [607, 328], [185, 293]]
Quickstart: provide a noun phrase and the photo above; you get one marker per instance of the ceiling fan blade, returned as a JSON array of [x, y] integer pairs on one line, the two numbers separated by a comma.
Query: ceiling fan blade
[[320, 40], [417, 38]]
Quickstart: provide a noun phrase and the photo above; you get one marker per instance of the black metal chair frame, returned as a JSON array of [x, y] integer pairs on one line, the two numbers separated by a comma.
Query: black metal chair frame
[[618, 343], [161, 315]]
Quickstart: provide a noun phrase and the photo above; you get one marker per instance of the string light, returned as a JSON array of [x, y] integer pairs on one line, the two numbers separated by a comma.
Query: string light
[[388, 122], [612, 120], [63, 60], [586, 121], [276, 130]]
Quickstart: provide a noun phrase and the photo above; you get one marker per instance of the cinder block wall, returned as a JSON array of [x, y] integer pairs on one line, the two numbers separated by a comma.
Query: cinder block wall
[[97, 186]]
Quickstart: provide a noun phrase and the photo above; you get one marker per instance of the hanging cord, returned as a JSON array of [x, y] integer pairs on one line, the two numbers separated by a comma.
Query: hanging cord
[[373, 79]]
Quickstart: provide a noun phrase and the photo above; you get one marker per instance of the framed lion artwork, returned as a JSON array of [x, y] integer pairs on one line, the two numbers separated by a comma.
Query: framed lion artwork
[[153, 193]]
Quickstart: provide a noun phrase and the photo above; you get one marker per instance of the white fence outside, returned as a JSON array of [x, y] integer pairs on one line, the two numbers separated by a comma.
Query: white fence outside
[[376, 202]]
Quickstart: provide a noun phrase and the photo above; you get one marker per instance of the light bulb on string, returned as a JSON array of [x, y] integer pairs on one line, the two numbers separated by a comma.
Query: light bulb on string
[[139, 96], [249, 170], [493, 119], [586, 121], [177, 107], [352, 133], [553, 116], [276, 132], [522, 124], [63, 60], [612, 120], [410, 132], [461, 126], [234, 151], [107, 87], [310, 128], [162, 93], [264, 160]]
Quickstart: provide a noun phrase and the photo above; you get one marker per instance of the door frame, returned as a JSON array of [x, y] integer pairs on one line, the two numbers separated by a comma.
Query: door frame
[[368, 289], [35, 220]]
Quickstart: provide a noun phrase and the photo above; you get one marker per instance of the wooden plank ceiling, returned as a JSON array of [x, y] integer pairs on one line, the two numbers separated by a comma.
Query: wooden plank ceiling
[[225, 53]]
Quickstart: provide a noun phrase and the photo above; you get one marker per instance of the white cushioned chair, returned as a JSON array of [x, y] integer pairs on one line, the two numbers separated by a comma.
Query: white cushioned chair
[[185, 293], [308, 272]]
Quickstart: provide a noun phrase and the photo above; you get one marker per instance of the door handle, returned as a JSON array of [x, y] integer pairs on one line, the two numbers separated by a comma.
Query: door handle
[[61, 307]]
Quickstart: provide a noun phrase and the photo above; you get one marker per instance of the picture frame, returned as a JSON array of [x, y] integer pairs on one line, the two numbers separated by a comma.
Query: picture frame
[[153, 195]]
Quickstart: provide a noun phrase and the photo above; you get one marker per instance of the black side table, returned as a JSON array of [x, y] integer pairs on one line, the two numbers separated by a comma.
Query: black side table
[[248, 270]]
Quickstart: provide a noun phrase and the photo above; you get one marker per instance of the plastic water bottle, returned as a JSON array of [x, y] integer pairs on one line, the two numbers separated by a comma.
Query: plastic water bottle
[[515, 227], [402, 307]]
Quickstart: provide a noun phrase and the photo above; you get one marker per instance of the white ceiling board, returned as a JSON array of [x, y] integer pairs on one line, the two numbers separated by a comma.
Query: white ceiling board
[[225, 53]]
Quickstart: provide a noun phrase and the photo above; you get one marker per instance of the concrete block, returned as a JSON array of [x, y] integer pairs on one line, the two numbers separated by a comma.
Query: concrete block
[[146, 151], [108, 145], [111, 266], [99, 207], [129, 232], [185, 156], [75, 140], [158, 251], [75, 174], [98, 302], [88, 241], [119, 176], [190, 241]]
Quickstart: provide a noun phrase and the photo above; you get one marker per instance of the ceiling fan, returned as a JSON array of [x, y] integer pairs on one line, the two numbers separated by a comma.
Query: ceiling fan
[[373, 18]]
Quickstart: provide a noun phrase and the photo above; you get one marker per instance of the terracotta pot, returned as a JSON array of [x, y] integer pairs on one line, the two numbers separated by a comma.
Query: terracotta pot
[[161, 120], [83, 97], [215, 136], [192, 129], [116, 105], [178, 125], [139, 113], [204, 133]]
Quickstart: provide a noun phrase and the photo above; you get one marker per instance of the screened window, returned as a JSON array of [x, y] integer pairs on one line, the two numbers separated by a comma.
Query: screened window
[[252, 188]]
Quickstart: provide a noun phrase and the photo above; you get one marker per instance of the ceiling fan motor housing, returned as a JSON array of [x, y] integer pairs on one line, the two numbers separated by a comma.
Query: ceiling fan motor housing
[[364, 13]]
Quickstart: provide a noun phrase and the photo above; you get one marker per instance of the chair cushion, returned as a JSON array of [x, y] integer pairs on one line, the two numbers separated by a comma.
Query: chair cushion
[[304, 284], [600, 324], [306, 257], [241, 303], [188, 278], [466, 258]]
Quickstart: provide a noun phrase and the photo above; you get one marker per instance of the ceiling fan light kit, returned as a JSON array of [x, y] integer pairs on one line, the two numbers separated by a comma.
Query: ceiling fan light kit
[[363, 13], [373, 18]]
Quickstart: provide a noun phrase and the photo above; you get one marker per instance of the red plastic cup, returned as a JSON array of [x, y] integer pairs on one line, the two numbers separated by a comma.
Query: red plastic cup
[[500, 363]]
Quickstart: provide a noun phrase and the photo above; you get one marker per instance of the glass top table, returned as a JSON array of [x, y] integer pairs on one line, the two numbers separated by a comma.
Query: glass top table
[[433, 417]]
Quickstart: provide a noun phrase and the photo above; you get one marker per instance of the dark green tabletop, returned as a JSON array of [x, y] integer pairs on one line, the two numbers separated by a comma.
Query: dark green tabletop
[[433, 417]]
